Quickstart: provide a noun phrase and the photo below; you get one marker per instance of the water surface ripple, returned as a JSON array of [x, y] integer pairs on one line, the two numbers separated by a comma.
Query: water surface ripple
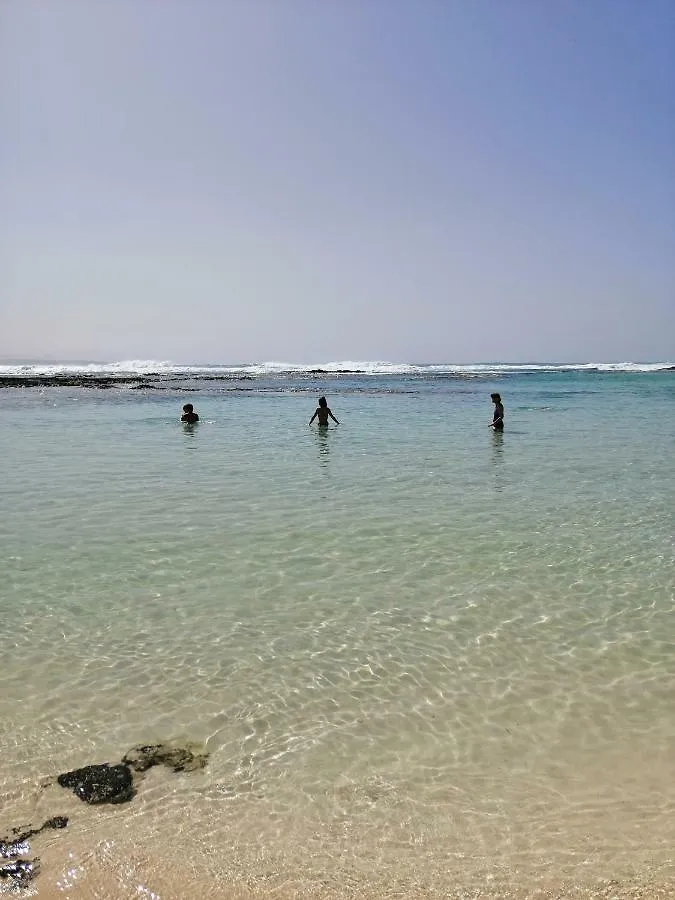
[[421, 655]]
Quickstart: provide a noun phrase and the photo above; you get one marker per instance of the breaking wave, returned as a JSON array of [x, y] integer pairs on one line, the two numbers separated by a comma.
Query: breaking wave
[[267, 369]]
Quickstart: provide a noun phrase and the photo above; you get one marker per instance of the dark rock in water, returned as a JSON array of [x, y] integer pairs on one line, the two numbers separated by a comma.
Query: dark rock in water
[[17, 846], [75, 380], [55, 822], [12, 849], [100, 784], [94, 784], [180, 759], [115, 784], [21, 870]]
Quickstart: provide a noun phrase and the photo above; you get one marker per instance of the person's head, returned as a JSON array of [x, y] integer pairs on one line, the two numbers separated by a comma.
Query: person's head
[[495, 398], [188, 408], [322, 402]]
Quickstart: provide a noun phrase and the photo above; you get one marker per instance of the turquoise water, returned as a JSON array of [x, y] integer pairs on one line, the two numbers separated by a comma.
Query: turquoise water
[[414, 648]]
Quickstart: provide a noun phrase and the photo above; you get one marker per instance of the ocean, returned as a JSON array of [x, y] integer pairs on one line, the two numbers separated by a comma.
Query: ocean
[[426, 659]]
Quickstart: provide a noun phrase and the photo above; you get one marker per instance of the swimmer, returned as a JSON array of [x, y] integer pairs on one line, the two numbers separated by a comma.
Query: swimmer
[[322, 412], [189, 414]]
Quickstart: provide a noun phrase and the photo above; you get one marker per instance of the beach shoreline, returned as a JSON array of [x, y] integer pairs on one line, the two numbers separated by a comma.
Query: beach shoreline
[[163, 846], [96, 885]]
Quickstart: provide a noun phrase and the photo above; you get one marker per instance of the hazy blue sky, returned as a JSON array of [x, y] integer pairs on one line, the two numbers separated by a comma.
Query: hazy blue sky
[[314, 180]]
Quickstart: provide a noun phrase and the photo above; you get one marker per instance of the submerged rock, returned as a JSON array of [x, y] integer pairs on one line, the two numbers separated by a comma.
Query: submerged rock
[[180, 759], [17, 845], [21, 870], [100, 783], [115, 784], [94, 784]]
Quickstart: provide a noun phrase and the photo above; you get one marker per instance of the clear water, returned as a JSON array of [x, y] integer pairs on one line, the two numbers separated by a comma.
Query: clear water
[[419, 653]]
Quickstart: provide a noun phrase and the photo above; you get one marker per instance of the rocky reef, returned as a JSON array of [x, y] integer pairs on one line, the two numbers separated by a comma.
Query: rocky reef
[[96, 784], [74, 380]]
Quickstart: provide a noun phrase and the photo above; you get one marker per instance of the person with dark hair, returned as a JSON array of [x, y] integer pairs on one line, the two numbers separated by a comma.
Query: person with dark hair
[[498, 418], [322, 412], [189, 414]]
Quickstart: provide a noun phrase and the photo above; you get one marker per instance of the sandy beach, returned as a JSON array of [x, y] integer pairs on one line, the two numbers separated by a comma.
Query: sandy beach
[[124, 852], [637, 889], [97, 886]]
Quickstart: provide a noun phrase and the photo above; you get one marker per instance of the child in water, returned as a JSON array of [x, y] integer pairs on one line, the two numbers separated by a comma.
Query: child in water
[[498, 418], [322, 412], [189, 414]]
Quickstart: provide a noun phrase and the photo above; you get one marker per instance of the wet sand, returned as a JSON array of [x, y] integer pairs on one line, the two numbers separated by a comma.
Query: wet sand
[[121, 853], [174, 841], [95, 887]]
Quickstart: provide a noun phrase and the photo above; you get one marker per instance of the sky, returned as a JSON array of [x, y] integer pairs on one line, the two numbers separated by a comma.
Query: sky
[[319, 180]]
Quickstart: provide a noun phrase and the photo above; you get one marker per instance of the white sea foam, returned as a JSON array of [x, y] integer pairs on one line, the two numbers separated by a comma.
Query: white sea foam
[[374, 367], [124, 367]]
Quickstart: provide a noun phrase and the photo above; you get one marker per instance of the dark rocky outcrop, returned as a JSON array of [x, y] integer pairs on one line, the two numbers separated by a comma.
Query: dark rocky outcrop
[[100, 783], [95, 784], [75, 380], [144, 380], [115, 784], [21, 871]]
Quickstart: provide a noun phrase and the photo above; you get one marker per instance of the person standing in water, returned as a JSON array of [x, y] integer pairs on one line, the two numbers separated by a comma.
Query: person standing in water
[[189, 414], [498, 418], [322, 412]]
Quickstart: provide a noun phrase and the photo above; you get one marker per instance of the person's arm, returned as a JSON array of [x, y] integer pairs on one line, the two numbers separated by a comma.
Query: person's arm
[[333, 417], [314, 416], [497, 418]]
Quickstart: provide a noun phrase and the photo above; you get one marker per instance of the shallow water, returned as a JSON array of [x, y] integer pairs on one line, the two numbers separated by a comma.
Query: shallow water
[[415, 649]]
